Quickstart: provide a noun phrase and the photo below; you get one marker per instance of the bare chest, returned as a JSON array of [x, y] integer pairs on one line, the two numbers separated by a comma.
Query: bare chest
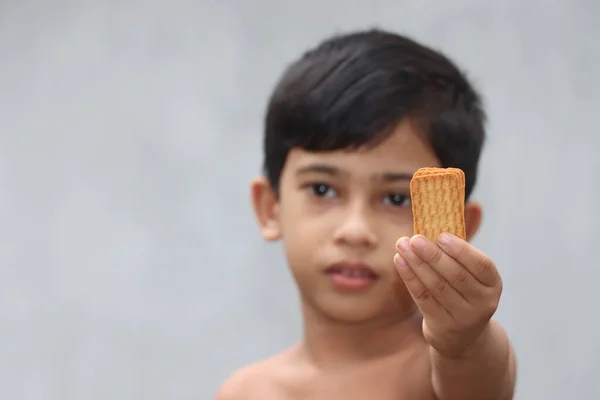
[[385, 381]]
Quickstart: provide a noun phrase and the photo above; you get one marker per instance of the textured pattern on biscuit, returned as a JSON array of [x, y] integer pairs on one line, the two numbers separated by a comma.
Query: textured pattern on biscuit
[[437, 170], [438, 202]]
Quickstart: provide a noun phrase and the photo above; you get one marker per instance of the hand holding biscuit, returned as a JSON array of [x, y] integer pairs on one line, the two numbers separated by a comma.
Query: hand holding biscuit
[[456, 287]]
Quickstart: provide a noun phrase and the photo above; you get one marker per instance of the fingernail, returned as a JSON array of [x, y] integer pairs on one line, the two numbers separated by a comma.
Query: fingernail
[[418, 242], [445, 238], [400, 262], [403, 244]]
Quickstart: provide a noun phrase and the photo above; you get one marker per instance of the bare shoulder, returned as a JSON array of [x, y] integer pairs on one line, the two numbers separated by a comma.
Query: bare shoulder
[[239, 382], [257, 380]]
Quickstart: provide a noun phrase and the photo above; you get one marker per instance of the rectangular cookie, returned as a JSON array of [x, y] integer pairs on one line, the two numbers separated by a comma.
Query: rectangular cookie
[[438, 202], [434, 170]]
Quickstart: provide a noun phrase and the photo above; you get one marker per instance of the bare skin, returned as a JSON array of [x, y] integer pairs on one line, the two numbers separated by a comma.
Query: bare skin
[[399, 337]]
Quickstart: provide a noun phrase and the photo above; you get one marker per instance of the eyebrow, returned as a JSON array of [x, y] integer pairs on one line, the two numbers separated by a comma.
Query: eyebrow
[[335, 171], [319, 168], [396, 176]]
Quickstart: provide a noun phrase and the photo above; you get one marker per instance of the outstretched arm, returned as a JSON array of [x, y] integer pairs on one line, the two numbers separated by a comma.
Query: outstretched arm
[[486, 371], [457, 289]]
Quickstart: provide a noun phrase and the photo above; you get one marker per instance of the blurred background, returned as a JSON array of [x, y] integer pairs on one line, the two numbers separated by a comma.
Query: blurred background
[[130, 263]]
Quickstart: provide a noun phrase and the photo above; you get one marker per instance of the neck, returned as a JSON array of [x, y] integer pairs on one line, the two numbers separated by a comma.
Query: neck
[[328, 342]]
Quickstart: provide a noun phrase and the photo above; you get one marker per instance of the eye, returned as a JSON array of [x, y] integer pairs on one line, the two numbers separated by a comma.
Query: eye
[[322, 190], [397, 199]]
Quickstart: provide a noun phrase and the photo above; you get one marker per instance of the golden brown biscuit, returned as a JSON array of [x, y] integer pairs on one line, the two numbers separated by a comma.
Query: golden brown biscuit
[[438, 205], [436, 170]]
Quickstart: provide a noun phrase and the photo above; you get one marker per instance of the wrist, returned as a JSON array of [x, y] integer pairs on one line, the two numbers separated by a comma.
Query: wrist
[[469, 350]]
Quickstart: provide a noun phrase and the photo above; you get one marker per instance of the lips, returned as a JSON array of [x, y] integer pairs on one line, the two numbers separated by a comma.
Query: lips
[[352, 270], [351, 276]]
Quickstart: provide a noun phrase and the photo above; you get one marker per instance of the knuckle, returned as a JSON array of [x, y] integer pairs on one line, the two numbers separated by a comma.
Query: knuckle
[[436, 255], [439, 287], [461, 277], [484, 265], [416, 262], [424, 295], [409, 274], [490, 306]]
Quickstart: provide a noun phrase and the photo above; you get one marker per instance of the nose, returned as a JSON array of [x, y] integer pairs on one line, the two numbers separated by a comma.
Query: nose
[[355, 229]]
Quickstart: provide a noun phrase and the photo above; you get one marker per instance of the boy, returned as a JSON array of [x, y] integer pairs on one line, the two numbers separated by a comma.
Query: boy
[[385, 316]]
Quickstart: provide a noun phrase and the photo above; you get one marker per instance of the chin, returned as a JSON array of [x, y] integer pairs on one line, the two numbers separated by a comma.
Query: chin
[[347, 310]]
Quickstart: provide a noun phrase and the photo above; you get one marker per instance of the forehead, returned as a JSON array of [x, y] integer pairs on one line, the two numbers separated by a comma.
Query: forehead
[[404, 150]]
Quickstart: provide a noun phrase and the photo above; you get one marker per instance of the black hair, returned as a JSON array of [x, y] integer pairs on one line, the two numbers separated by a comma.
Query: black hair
[[351, 90]]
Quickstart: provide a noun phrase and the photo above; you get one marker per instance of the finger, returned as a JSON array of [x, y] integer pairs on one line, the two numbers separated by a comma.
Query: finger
[[447, 267], [479, 265], [422, 296], [441, 290]]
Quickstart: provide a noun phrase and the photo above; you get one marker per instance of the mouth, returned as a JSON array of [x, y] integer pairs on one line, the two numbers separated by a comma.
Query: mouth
[[351, 275], [349, 270]]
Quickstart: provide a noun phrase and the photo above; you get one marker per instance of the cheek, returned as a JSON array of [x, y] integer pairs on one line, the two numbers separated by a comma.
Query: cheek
[[303, 236], [301, 253], [303, 222], [305, 239]]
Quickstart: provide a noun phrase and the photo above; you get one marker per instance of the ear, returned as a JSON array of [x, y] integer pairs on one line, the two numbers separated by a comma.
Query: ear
[[473, 216], [266, 208]]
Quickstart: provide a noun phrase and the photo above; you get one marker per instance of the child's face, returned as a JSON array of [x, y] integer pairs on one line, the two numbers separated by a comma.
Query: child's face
[[340, 210]]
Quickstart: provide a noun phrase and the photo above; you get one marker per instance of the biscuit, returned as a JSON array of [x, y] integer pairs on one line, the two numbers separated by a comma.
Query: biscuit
[[433, 170], [438, 202]]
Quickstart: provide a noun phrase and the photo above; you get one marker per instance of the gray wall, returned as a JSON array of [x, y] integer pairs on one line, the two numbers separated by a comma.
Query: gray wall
[[130, 264]]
